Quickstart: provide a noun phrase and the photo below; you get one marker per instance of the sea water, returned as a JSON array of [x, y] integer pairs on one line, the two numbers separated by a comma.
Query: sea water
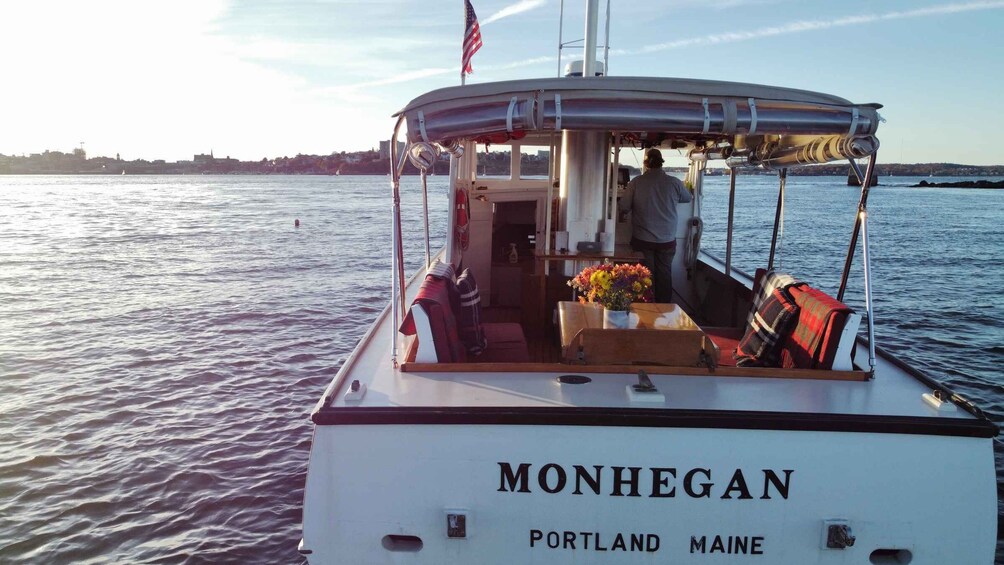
[[163, 339]]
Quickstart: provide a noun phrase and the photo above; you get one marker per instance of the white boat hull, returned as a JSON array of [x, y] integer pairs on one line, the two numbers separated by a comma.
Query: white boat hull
[[931, 498]]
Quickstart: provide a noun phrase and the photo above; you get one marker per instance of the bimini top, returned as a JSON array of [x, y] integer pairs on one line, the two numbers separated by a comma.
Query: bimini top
[[686, 109]]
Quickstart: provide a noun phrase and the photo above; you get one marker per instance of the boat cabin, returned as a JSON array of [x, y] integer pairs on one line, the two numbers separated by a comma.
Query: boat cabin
[[538, 193]]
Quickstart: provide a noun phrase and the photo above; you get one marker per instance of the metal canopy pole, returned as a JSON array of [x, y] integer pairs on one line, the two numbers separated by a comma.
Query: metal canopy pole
[[396, 259], [863, 218], [783, 175], [732, 210], [861, 223], [862, 206], [425, 208]]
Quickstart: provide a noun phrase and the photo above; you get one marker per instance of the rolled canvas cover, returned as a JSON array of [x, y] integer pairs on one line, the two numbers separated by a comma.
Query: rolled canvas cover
[[676, 106]]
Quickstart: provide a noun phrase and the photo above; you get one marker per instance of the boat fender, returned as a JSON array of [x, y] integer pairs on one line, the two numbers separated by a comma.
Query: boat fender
[[694, 228], [462, 221]]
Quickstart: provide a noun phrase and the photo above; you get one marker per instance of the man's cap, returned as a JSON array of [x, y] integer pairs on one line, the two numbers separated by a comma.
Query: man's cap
[[653, 157]]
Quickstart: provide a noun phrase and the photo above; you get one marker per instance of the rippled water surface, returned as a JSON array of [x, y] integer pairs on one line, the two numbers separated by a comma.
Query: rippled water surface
[[163, 339]]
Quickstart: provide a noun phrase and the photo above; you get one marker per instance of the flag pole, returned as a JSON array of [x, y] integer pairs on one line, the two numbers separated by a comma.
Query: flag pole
[[472, 41], [463, 76]]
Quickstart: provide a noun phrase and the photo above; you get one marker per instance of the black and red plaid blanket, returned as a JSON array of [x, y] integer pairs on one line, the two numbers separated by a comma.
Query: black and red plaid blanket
[[813, 341]]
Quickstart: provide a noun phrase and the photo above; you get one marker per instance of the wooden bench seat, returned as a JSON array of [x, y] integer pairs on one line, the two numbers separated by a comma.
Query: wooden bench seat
[[822, 337], [433, 320]]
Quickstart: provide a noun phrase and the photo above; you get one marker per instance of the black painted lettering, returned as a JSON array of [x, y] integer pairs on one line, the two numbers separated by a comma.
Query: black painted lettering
[[756, 545], [569, 540], [698, 544], [542, 478], [738, 483], [593, 481], [535, 536], [741, 543], [716, 545], [688, 484], [637, 542], [508, 476], [553, 540], [619, 543], [599, 547], [585, 539], [659, 481], [619, 481], [652, 543], [771, 478]]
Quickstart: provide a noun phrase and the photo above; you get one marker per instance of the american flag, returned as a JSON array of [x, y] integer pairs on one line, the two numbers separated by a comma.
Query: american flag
[[472, 38]]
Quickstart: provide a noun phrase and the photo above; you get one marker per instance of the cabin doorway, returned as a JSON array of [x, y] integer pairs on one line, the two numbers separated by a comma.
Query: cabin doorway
[[514, 240]]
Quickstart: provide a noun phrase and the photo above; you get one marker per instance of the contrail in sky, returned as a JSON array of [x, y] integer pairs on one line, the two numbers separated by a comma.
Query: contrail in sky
[[513, 9], [811, 25], [712, 39]]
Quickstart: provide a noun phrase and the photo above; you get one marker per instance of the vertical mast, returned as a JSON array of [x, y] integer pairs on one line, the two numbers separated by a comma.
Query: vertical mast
[[561, 27], [592, 19]]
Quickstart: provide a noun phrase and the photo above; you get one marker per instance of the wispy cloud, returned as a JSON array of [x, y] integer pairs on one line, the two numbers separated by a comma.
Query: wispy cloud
[[813, 25], [513, 9], [520, 64], [393, 79], [711, 39], [729, 4]]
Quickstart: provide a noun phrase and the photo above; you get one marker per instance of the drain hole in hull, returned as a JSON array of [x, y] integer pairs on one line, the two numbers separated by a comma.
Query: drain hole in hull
[[890, 557], [395, 542]]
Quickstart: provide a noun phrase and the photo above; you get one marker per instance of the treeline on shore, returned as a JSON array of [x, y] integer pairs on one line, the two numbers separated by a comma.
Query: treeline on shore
[[495, 163]]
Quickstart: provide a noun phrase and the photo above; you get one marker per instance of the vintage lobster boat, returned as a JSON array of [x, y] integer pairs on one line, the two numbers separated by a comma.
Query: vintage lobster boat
[[562, 441]]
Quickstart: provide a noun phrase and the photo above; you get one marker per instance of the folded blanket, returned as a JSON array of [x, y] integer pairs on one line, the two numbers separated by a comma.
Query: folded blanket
[[768, 282], [813, 342], [761, 346], [436, 295]]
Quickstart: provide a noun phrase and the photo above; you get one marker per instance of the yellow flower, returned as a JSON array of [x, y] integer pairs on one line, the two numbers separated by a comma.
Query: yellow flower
[[600, 279]]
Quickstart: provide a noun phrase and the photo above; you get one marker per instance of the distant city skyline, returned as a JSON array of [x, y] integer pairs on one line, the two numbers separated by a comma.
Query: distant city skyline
[[254, 79]]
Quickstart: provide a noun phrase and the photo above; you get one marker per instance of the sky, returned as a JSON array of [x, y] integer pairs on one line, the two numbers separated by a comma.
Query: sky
[[252, 79]]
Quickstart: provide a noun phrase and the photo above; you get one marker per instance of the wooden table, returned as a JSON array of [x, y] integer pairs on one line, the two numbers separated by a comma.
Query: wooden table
[[664, 335]]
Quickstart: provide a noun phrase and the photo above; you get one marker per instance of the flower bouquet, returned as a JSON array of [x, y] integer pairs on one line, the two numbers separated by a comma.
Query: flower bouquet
[[614, 286]]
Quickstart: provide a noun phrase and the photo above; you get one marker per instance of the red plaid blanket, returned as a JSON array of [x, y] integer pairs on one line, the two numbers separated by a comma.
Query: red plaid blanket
[[436, 297], [813, 341]]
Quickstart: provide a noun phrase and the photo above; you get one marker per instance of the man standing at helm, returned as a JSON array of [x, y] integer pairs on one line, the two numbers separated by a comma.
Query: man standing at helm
[[654, 196]]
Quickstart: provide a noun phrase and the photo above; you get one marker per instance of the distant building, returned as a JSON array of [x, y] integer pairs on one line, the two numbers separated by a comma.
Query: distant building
[[385, 148], [203, 159]]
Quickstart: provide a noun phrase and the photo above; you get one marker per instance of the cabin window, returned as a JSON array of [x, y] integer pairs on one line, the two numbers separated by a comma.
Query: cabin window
[[494, 162], [534, 161]]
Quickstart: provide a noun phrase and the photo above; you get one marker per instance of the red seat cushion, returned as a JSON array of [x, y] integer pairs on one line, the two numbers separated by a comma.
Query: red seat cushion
[[506, 344], [727, 340]]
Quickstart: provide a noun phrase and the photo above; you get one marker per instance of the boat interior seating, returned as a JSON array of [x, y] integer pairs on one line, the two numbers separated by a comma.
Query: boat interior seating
[[821, 336], [435, 318]]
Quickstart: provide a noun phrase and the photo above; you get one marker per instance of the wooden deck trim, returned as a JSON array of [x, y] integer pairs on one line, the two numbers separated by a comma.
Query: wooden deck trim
[[752, 372]]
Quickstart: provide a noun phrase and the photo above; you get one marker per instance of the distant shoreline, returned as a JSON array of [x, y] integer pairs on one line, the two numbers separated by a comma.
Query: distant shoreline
[[982, 183], [496, 163]]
